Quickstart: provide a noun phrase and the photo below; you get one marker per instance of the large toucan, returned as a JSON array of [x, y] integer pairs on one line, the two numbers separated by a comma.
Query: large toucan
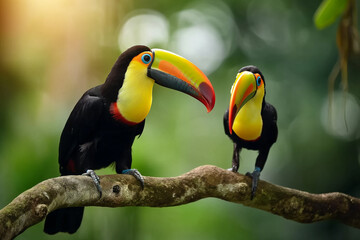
[[250, 121], [105, 121]]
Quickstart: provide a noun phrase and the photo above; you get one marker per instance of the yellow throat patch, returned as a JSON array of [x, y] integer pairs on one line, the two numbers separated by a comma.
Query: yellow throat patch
[[135, 95], [248, 122]]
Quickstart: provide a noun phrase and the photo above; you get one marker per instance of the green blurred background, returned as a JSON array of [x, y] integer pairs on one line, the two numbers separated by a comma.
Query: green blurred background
[[53, 51]]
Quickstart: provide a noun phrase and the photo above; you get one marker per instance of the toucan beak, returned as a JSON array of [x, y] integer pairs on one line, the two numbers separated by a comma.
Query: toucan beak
[[175, 72], [242, 91]]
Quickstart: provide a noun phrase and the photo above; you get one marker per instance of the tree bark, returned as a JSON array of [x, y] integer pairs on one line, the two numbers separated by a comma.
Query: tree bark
[[120, 190]]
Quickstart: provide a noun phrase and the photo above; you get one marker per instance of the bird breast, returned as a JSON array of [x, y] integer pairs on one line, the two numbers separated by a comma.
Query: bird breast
[[248, 122], [135, 96]]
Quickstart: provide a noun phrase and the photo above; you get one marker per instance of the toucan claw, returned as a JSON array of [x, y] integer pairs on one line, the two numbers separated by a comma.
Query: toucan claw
[[255, 175], [232, 169], [136, 174], [95, 179], [235, 168]]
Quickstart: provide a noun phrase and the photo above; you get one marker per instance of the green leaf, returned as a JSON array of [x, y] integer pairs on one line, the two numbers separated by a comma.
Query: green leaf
[[328, 12]]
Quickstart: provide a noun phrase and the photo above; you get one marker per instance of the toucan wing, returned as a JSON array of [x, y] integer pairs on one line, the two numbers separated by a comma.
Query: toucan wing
[[269, 116], [80, 127], [226, 122]]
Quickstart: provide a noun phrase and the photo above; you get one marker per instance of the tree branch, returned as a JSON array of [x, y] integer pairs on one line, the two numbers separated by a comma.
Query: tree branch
[[120, 190]]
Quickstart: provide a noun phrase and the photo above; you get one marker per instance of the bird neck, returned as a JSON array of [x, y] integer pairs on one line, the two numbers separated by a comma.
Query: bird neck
[[248, 122], [135, 96]]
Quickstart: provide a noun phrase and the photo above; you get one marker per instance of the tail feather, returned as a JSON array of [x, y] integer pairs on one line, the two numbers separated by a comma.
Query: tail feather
[[64, 220]]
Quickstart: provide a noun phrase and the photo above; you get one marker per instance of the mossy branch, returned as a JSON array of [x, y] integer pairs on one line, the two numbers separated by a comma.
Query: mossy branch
[[33, 205]]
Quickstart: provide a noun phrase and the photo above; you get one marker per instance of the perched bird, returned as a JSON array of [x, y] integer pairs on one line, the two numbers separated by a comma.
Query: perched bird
[[105, 121], [250, 121]]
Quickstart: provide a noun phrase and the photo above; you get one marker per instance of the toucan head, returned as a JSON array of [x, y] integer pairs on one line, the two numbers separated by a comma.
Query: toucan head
[[248, 86], [139, 67]]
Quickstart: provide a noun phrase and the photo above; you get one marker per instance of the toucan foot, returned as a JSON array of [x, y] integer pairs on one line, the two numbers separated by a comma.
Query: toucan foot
[[232, 169], [255, 175], [95, 179], [136, 174]]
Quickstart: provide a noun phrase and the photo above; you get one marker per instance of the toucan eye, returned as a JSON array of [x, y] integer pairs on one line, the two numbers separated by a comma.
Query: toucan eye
[[146, 58], [258, 81]]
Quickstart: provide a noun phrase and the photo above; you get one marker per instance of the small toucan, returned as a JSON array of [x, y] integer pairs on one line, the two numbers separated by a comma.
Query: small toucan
[[250, 121], [105, 121]]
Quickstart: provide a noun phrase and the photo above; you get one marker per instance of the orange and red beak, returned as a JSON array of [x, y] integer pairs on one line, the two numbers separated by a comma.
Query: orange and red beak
[[175, 72]]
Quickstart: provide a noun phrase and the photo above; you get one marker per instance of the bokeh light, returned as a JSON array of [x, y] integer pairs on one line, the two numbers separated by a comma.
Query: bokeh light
[[145, 27], [197, 34], [201, 37]]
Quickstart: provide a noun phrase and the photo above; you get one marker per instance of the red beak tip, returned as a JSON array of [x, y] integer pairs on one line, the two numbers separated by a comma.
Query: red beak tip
[[210, 106], [207, 92]]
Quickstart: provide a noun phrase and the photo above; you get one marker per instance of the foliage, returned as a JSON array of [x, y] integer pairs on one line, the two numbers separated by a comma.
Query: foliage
[[328, 12]]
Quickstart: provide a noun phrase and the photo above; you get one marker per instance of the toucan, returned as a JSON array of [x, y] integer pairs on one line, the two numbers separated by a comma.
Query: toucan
[[105, 121], [250, 122]]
